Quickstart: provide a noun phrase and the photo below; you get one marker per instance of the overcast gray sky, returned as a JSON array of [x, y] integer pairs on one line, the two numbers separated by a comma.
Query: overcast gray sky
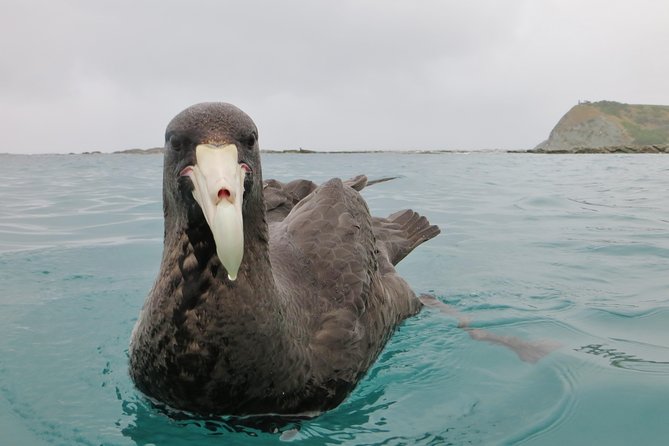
[[348, 74]]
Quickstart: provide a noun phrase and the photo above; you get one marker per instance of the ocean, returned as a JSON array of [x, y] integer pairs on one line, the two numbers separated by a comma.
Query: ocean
[[568, 248]]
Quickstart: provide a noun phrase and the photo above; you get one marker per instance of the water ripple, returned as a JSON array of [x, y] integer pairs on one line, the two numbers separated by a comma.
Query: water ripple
[[570, 249], [624, 360]]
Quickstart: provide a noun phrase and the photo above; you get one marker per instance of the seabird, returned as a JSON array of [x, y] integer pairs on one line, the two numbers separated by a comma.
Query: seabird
[[272, 298]]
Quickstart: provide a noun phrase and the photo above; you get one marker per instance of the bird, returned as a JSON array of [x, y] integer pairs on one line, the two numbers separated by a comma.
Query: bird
[[272, 298]]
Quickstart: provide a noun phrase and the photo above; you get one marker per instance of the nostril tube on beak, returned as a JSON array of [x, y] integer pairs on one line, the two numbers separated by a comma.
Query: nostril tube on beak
[[223, 194]]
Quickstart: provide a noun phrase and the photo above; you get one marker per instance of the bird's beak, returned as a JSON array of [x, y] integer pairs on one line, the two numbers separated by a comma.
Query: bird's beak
[[219, 188]]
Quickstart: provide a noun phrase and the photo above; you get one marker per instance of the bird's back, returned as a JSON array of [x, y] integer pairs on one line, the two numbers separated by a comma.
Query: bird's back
[[333, 261]]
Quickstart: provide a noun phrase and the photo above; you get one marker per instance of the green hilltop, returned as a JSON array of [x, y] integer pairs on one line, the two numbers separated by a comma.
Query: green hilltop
[[609, 124]]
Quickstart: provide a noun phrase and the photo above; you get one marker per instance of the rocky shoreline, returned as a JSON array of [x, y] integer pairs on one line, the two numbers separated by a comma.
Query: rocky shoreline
[[654, 148]]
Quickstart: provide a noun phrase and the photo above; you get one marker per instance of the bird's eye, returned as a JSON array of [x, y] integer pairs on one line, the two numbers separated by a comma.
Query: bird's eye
[[251, 140], [176, 142]]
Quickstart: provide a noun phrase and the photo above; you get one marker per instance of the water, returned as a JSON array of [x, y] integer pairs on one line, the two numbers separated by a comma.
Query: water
[[574, 249]]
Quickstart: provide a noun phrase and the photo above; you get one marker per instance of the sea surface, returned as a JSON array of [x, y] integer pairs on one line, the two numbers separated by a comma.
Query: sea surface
[[568, 248]]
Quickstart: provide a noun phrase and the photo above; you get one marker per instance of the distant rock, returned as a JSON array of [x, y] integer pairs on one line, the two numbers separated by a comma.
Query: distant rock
[[150, 151], [610, 127], [300, 150]]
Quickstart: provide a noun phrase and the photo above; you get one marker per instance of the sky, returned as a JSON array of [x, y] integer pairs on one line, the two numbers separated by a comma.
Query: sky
[[322, 74]]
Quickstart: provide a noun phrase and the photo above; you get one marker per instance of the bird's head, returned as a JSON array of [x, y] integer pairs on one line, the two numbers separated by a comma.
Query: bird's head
[[212, 172]]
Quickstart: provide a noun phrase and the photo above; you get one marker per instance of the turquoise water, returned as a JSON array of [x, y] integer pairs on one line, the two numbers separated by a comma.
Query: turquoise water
[[574, 249]]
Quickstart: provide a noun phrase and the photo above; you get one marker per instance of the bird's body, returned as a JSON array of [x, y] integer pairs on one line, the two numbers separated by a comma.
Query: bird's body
[[314, 299]]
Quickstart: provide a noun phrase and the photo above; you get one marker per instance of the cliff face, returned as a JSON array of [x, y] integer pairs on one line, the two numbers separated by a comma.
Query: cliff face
[[607, 124]]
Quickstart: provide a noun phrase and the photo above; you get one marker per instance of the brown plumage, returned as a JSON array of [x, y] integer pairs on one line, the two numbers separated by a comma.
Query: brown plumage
[[315, 300]]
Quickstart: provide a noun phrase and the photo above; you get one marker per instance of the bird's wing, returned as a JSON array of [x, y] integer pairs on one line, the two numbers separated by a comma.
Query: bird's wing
[[331, 230], [280, 198], [401, 232], [323, 255]]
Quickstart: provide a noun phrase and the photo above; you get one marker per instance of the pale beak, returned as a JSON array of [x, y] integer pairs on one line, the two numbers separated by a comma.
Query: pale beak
[[219, 188]]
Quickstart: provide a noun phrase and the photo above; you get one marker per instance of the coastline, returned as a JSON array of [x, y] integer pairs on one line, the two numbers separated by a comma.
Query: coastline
[[626, 149], [631, 149]]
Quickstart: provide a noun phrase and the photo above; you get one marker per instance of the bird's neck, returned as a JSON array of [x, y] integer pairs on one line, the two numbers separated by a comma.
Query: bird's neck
[[243, 336], [254, 284], [243, 319]]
